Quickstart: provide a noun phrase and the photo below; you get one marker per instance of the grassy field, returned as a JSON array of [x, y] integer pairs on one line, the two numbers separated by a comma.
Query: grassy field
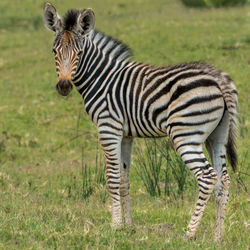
[[43, 137]]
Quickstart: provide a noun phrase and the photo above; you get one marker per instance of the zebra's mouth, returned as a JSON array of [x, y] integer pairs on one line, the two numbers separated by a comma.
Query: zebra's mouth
[[64, 87]]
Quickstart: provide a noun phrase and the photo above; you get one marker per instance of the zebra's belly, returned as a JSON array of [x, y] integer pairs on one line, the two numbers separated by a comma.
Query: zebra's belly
[[135, 130]]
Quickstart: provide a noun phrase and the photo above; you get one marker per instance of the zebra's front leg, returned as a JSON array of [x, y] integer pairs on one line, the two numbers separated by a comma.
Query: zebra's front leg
[[110, 140], [126, 149]]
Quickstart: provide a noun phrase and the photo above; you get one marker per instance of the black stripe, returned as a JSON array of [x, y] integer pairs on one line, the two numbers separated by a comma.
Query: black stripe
[[112, 159], [132, 84], [111, 163], [88, 50], [112, 197], [112, 172], [109, 144], [169, 85], [108, 85], [188, 144], [99, 41], [201, 186], [195, 160], [136, 104], [126, 105], [112, 182], [108, 117], [193, 85], [181, 90], [201, 198], [166, 74], [205, 181], [126, 93], [198, 132], [97, 84], [107, 124], [195, 168], [108, 139], [196, 100], [191, 123], [202, 112], [102, 79], [234, 91], [110, 168], [165, 90], [173, 124], [205, 193], [88, 60]]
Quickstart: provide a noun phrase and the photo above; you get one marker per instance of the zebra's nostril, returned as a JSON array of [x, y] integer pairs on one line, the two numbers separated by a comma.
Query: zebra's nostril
[[64, 87]]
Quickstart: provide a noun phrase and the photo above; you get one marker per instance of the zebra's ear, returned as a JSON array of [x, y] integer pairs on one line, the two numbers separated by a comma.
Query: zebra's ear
[[86, 21], [50, 17]]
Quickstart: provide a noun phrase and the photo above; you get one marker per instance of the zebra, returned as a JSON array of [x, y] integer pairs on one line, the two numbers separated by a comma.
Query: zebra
[[191, 103]]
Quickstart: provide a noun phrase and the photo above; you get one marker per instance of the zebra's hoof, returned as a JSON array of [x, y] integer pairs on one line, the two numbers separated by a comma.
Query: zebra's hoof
[[190, 235]]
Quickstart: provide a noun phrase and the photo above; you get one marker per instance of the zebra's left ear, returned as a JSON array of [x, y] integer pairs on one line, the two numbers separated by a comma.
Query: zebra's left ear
[[86, 21], [50, 17]]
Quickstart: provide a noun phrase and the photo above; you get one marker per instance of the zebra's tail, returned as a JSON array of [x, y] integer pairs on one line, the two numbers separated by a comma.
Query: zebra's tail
[[230, 96]]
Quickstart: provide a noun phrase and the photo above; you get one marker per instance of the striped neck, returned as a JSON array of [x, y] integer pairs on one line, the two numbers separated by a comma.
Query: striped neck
[[99, 51], [102, 59]]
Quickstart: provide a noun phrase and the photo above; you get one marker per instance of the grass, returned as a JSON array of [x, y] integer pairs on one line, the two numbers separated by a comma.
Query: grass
[[42, 134]]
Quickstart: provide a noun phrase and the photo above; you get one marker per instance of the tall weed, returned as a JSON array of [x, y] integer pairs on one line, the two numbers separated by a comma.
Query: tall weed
[[93, 179], [161, 169], [175, 166], [87, 183], [148, 166]]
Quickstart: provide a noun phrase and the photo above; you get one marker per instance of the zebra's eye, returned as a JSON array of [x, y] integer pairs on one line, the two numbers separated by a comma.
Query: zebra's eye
[[79, 53], [54, 51]]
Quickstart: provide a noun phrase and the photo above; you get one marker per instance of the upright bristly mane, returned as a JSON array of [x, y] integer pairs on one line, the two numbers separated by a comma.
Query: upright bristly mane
[[70, 19], [111, 46], [107, 44]]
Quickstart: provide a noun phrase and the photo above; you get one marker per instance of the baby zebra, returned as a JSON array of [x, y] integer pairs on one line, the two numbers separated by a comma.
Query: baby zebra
[[192, 103]]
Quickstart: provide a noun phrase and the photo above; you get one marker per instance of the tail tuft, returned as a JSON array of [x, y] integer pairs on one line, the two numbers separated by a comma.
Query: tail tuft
[[231, 150]]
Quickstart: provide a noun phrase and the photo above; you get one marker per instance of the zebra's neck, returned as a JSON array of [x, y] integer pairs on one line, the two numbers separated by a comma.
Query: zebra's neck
[[102, 59]]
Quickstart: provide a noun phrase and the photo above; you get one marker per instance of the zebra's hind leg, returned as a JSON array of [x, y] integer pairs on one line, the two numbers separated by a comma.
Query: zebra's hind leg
[[206, 177], [216, 147], [126, 149]]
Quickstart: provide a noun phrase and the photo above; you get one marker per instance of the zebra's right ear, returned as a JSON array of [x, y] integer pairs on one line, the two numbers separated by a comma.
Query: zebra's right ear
[[86, 21], [50, 17]]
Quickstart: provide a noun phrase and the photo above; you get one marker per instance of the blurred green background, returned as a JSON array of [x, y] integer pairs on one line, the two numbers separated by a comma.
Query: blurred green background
[[43, 137]]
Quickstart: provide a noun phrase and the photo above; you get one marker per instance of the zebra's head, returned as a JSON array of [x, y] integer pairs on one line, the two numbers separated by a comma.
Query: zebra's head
[[70, 32]]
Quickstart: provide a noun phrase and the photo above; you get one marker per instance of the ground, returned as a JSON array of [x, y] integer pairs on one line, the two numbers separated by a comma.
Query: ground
[[46, 140]]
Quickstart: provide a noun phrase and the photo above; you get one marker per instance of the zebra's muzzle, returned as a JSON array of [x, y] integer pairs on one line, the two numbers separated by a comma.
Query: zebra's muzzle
[[64, 87]]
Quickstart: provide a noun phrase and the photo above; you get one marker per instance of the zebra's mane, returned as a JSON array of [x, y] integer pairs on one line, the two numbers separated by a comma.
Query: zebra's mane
[[111, 46], [70, 19]]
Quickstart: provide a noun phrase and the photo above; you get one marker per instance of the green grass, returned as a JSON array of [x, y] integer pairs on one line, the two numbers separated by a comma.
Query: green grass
[[42, 134]]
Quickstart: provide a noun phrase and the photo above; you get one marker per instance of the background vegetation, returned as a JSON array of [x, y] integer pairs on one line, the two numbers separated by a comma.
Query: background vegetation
[[52, 190], [213, 3]]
